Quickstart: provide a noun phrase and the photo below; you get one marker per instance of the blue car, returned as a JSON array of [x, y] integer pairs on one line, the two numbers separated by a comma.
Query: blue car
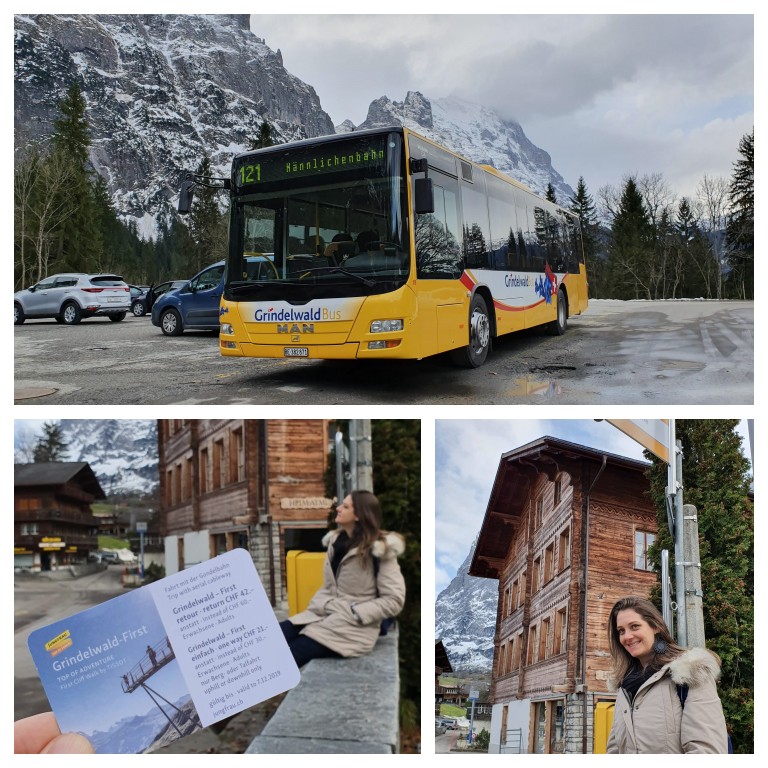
[[193, 306]]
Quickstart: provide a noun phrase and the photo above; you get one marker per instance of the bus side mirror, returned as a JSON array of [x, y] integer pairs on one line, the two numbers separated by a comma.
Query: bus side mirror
[[424, 196], [186, 193]]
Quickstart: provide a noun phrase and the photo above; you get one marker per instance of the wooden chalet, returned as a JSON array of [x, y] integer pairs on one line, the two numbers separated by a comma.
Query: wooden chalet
[[251, 483], [566, 533], [53, 524]]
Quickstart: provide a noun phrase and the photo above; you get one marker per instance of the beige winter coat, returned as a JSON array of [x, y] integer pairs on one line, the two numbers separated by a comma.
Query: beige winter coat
[[345, 614], [657, 723]]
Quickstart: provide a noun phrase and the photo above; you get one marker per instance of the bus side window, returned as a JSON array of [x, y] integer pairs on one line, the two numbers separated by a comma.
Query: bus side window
[[474, 204], [438, 253]]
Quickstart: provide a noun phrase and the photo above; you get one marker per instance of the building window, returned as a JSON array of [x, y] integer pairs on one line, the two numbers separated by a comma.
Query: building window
[[203, 479], [521, 593], [218, 464], [643, 540], [518, 644], [505, 604], [535, 576], [29, 529], [532, 634], [188, 479], [543, 639], [539, 513], [564, 550], [558, 490], [515, 595], [236, 456], [549, 559], [561, 632]]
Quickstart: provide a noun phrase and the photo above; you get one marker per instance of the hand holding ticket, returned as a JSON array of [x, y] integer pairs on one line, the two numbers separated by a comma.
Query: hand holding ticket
[[150, 666]]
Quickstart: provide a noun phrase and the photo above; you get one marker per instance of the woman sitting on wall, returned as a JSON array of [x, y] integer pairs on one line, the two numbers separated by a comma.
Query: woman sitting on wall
[[362, 585]]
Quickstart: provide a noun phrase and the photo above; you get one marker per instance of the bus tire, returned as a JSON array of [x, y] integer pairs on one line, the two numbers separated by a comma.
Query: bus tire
[[560, 324], [475, 353]]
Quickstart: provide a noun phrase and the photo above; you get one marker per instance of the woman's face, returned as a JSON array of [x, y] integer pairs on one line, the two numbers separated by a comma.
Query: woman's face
[[345, 513], [636, 635]]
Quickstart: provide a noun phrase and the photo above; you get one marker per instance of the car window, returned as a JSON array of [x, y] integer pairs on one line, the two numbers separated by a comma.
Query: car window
[[107, 280], [210, 278], [64, 282], [49, 282]]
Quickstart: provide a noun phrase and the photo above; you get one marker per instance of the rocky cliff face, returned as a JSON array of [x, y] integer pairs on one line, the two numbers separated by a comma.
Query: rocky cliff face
[[161, 90], [465, 619], [476, 132]]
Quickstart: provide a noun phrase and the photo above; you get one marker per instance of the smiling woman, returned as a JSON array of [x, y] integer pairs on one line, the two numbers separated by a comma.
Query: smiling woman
[[667, 701]]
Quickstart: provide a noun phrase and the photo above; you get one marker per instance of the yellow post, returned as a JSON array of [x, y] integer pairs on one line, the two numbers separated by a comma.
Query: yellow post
[[303, 576], [603, 723]]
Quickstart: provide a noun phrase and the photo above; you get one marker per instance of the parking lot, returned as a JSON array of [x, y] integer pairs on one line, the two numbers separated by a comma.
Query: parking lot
[[629, 353]]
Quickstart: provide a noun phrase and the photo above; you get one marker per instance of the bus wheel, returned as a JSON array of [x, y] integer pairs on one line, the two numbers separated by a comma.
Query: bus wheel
[[475, 353], [558, 326]]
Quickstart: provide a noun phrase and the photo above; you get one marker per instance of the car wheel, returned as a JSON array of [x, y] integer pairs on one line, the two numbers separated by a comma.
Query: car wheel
[[118, 317], [139, 310], [18, 314], [475, 353], [170, 323], [71, 314], [559, 325]]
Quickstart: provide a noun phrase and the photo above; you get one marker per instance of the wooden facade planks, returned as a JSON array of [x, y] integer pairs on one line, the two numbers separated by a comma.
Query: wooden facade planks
[[534, 540]]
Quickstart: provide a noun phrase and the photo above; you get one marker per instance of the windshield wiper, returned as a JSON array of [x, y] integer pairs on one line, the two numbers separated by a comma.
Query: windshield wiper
[[364, 280]]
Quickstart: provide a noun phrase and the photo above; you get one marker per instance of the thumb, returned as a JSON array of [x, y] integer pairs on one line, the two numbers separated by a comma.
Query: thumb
[[69, 744]]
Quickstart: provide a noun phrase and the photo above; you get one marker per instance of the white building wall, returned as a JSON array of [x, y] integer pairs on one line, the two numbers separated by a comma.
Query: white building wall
[[518, 716], [197, 549]]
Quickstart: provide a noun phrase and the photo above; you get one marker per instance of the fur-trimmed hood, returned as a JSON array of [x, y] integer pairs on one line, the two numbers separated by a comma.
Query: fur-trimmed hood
[[388, 545], [691, 668]]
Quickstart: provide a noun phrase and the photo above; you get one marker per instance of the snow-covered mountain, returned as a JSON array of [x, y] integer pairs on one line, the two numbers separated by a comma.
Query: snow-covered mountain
[[465, 619], [161, 91], [122, 452], [472, 130]]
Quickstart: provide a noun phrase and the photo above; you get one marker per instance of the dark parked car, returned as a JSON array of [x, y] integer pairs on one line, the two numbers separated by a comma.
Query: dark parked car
[[139, 305], [73, 296]]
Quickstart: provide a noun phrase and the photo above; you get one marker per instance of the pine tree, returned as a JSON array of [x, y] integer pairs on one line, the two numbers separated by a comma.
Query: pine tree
[[80, 243], [206, 224], [550, 194], [396, 448], [583, 206], [741, 225], [51, 445], [716, 481], [264, 138], [631, 247]]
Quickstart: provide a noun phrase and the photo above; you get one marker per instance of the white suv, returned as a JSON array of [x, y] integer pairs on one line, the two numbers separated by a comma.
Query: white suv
[[70, 297]]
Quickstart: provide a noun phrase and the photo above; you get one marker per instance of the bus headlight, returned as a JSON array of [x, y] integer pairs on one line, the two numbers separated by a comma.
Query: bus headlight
[[386, 326], [388, 344], [227, 329]]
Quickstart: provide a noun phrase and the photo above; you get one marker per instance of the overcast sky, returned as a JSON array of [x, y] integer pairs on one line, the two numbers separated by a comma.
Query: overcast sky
[[604, 95], [467, 454]]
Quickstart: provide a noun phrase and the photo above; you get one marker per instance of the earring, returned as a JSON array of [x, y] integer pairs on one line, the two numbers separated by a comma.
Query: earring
[[659, 645]]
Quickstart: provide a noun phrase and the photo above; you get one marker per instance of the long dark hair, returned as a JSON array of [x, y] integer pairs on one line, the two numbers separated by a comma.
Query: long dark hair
[[368, 525], [621, 659]]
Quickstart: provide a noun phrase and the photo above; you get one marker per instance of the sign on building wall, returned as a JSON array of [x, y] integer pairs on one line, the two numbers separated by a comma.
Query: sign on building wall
[[312, 502]]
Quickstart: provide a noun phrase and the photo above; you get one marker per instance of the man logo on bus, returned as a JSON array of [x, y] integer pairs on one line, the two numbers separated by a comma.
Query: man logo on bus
[[546, 285]]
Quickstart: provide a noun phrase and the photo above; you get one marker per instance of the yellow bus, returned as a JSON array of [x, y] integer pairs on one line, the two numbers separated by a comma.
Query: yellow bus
[[381, 244]]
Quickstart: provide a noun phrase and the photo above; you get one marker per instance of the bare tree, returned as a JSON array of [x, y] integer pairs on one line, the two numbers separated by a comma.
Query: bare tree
[[41, 206], [712, 194]]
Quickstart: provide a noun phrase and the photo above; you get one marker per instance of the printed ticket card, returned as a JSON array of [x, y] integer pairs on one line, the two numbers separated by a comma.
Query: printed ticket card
[[167, 659]]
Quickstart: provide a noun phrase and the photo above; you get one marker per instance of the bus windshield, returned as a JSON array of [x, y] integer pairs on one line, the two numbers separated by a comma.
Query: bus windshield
[[337, 231]]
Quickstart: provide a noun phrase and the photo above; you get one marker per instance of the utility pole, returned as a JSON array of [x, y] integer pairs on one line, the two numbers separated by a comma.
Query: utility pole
[[361, 454]]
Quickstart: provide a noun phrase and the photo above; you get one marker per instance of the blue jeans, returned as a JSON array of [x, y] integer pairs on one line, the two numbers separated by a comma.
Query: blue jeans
[[304, 648]]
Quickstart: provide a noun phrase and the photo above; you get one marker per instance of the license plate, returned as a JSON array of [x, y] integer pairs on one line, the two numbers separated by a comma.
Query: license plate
[[295, 352], [115, 299]]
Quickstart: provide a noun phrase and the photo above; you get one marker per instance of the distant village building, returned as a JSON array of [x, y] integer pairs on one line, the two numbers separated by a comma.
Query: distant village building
[[566, 533], [53, 524], [251, 483]]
